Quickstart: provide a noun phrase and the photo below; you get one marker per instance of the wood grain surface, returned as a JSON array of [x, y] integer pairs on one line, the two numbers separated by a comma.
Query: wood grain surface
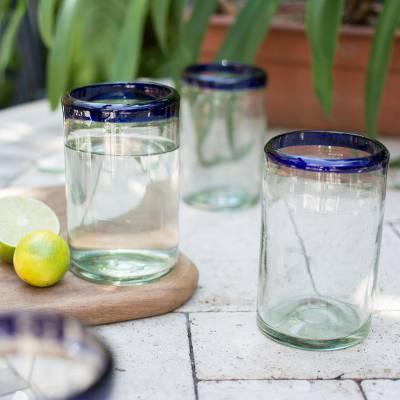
[[92, 303]]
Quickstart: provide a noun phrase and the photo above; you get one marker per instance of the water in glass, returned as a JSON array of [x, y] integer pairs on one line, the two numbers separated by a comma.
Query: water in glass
[[123, 193]]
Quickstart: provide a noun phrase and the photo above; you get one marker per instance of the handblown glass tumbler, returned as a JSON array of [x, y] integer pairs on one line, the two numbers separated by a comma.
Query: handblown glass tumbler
[[324, 196], [122, 180], [223, 132]]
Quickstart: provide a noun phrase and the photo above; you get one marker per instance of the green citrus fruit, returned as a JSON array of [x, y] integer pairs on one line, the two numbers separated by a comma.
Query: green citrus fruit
[[19, 216], [41, 258]]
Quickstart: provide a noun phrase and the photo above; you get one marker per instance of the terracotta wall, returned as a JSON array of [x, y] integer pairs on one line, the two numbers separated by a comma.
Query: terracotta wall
[[285, 54]]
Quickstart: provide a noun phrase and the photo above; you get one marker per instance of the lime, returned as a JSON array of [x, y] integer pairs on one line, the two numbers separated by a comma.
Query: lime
[[18, 217], [41, 258]]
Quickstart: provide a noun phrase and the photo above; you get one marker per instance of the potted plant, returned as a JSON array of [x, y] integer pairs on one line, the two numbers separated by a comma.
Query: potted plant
[[358, 73], [103, 40]]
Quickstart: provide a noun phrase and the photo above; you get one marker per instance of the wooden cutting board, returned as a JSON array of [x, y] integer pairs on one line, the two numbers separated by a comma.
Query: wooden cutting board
[[94, 304]]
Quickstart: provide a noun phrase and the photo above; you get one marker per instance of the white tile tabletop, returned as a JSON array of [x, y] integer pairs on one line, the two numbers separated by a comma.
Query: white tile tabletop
[[228, 346], [210, 348], [381, 389], [279, 389]]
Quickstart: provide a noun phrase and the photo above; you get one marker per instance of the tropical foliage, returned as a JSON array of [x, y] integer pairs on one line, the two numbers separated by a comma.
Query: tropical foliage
[[103, 40]]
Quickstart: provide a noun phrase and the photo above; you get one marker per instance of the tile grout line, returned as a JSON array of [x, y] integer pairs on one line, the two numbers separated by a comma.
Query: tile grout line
[[336, 379], [375, 311], [191, 355], [364, 396], [213, 311]]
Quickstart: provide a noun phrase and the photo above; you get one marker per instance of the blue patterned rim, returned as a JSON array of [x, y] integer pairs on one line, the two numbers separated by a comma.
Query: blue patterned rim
[[225, 76], [68, 334], [99, 102], [378, 154]]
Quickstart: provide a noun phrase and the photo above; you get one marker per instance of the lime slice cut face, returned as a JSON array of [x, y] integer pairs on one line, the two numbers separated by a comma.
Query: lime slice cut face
[[19, 216]]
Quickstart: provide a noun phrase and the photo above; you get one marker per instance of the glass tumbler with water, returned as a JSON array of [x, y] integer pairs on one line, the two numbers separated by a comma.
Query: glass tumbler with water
[[223, 132], [324, 196], [122, 181]]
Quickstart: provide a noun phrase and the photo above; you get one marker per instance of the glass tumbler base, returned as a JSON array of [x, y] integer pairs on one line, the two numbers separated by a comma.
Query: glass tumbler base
[[314, 324], [221, 198], [122, 267]]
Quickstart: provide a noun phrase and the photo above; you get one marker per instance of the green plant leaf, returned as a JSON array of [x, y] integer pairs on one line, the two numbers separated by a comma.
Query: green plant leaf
[[46, 12], [59, 59], [159, 10], [172, 64], [248, 31], [8, 40], [90, 57], [127, 54], [92, 48], [177, 7], [395, 164], [323, 22], [197, 25], [84, 64], [189, 36], [4, 10], [379, 62]]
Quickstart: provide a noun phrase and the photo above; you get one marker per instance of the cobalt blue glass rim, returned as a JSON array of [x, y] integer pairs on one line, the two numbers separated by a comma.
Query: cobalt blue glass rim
[[378, 157], [211, 76], [157, 102], [42, 326]]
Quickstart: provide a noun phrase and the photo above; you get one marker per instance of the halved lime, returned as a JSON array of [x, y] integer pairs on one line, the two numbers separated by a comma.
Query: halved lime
[[19, 216]]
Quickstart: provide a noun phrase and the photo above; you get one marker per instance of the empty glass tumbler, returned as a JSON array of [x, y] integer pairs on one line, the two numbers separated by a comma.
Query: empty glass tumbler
[[324, 195], [223, 132], [122, 180]]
